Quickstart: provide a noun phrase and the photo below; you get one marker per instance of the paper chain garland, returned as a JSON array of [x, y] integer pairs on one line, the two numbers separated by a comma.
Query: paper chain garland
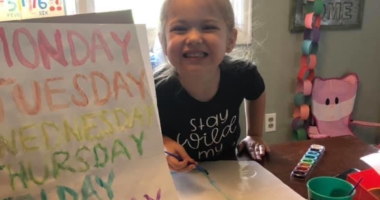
[[305, 75]]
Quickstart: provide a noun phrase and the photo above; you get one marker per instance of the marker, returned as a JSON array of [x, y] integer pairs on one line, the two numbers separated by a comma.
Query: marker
[[199, 168]]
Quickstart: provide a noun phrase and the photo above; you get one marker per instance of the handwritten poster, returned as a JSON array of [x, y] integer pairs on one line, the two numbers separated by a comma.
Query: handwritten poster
[[77, 115], [27, 9], [9, 10]]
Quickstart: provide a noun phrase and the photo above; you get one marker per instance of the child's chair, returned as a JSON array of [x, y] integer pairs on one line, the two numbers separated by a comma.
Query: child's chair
[[331, 107]]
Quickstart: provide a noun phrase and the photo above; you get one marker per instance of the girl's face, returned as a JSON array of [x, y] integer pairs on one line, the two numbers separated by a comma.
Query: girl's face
[[196, 36]]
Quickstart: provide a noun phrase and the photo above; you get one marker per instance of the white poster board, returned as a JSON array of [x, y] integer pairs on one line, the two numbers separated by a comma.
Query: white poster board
[[77, 115], [232, 180]]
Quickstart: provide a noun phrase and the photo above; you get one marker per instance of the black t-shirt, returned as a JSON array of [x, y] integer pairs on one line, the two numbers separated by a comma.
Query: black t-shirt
[[208, 130]]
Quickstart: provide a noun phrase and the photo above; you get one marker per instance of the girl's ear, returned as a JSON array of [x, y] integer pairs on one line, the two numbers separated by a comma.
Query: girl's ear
[[162, 39], [231, 40]]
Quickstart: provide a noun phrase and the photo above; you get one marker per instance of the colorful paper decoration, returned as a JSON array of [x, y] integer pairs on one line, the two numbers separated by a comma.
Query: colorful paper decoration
[[306, 74]]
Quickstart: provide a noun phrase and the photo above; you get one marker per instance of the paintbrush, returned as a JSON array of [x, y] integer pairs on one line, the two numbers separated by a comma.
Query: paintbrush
[[342, 193], [197, 167], [356, 185]]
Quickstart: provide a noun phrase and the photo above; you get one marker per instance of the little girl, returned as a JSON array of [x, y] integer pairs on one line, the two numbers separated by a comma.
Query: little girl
[[200, 90]]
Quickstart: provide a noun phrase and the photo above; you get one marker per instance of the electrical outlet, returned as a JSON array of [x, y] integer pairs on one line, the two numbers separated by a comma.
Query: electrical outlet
[[270, 122]]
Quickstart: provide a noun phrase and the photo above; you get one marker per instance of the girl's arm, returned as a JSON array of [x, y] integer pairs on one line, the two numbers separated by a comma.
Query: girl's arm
[[254, 112]]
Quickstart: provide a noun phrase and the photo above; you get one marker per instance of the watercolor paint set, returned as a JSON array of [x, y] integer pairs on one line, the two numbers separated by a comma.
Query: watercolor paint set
[[308, 162]]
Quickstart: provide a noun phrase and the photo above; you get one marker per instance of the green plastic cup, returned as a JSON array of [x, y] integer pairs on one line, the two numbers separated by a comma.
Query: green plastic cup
[[329, 188]]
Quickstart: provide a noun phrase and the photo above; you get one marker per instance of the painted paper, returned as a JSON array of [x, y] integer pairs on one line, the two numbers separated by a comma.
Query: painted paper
[[77, 116]]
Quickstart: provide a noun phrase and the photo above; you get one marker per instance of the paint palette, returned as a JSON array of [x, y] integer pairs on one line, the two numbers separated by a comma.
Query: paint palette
[[308, 162]]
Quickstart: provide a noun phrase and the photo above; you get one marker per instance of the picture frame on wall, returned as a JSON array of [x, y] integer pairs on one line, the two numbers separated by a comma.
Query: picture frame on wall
[[336, 15]]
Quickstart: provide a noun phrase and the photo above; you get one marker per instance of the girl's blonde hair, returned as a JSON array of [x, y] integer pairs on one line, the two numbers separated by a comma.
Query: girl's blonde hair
[[166, 70]]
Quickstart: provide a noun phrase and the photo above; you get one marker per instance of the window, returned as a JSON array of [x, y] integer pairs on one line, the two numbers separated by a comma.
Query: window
[[71, 7], [142, 13], [149, 15], [243, 20]]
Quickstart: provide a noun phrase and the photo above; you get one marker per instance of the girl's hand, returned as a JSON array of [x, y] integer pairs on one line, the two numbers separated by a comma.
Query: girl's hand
[[255, 145], [187, 164]]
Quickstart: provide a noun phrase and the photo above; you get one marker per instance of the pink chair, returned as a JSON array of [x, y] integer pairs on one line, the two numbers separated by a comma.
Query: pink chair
[[332, 103]]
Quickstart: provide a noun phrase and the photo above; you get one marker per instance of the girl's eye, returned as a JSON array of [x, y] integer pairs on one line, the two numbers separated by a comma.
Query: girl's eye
[[209, 28], [178, 28]]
